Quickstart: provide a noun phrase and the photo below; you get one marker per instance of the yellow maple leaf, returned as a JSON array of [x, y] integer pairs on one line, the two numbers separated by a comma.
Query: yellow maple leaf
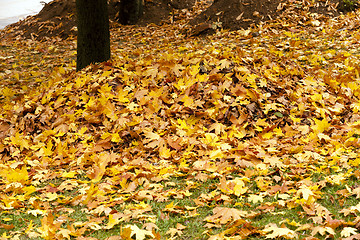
[[156, 93], [255, 198], [164, 152], [115, 137], [48, 149], [105, 135], [70, 174], [355, 107], [151, 135], [48, 227], [105, 89], [273, 231], [64, 233], [239, 187], [210, 139], [98, 170], [348, 231], [356, 191], [188, 102], [322, 230], [51, 196], [29, 190], [216, 154], [36, 212], [224, 215], [320, 125], [122, 96], [306, 193], [113, 220], [151, 72], [224, 63], [7, 92], [236, 186], [17, 175], [30, 227], [274, 161], [173, 231], [90, 193], [20, 141], [137, 233]]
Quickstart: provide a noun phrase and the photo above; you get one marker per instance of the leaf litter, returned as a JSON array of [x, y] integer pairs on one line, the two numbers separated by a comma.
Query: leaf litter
[[268, 123]]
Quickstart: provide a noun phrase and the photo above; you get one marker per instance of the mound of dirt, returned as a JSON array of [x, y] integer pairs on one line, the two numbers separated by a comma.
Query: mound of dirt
[[58, 19], [235, 14], [155, 12]]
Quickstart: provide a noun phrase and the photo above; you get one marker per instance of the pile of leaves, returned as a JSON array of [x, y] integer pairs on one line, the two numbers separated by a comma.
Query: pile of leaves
[[231, 136]]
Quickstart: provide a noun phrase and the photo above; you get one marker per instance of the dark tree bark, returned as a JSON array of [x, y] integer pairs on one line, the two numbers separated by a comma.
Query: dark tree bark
[[93, 40], [130, 11]]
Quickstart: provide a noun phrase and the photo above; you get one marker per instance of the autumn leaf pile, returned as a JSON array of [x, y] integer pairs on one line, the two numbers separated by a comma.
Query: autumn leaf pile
[[268, 123]]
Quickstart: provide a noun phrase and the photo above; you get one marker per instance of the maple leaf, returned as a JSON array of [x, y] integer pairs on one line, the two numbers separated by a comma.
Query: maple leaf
[[224, 215], [255, 198], [236, 186], [137, 233], [273, 231], [239, 187], [351, 210], [356, 191], [36, 212], [113, 220], [308, 194], [188, 101], [322, 230], [224, 63], [353, 237], [173, 232], [20, 140], [91, 191], [71, 174], [151, 71], [151, 135], [7, 226], [164, 152], [321, 125], [48, 227], [348, 231], [216, 154], [17, 175], [64, 233], [122, 96]]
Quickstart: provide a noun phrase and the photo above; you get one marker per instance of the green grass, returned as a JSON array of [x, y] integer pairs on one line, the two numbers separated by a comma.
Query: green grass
[[166, 219]]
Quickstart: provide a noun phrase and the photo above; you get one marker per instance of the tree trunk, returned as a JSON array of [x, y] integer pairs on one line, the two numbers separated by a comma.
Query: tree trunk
[[93, 40], [130, 11]]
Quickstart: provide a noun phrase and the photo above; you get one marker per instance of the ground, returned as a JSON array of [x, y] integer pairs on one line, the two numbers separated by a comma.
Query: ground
[[57, 18], [248, 134]]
